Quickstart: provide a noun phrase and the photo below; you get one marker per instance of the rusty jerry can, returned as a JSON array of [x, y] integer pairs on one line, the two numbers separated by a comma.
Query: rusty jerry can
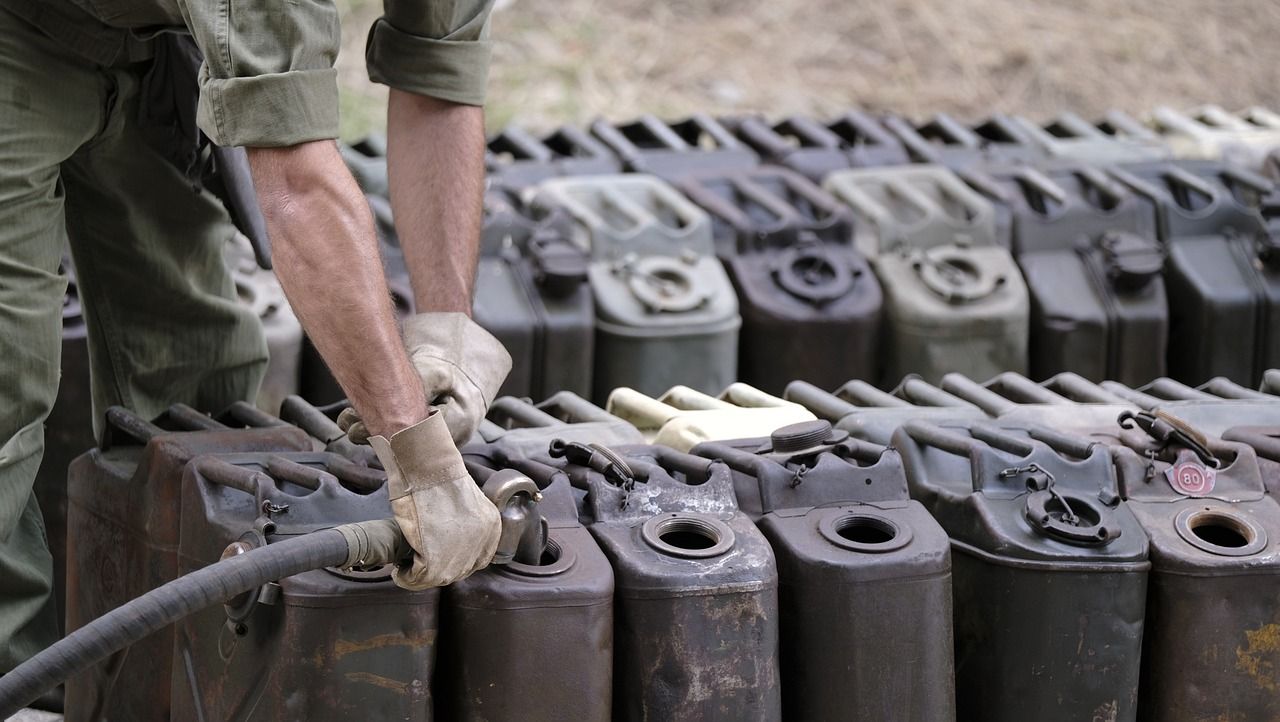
[[1088, 250], [68, 433], [810, 305], [665, 310], [943, 140], [123, 528], [531, 640], [532, 295], [322, 645], [814, 149], [683, 418], [851, 548], [516, 159], [696, 586], [1115, 138], [1223, 279], [1049, 570], [670, 151], [1210, 132], [954, 299], [1210, 650], [868, 413]]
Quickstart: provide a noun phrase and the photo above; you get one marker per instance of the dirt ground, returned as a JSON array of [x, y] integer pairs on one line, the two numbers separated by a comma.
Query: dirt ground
[[572, 60]]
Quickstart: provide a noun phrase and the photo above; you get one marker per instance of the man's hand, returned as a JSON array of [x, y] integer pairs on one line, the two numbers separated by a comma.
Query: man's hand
[[453, 528], [461, 367]]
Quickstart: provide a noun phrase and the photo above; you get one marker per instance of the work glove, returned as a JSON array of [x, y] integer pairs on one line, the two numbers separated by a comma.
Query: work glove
[[461, 366], [452, 527]]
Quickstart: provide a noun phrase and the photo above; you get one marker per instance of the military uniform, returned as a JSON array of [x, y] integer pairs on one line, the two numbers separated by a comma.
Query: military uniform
[[78, 168]]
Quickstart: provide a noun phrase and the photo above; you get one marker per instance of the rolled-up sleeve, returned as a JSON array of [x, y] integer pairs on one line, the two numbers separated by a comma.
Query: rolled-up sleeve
[[437, 48], [268, 78]]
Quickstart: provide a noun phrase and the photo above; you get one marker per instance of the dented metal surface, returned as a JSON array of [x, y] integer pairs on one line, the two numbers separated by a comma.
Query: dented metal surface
[[1049, 570], [696, 605], [865, 575]]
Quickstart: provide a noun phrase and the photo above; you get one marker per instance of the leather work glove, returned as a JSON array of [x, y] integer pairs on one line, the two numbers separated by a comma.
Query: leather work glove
[[451, 525], [461, 366]]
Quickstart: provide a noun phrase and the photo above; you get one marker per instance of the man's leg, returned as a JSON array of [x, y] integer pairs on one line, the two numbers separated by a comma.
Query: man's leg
[[50, 104], [164, 322]]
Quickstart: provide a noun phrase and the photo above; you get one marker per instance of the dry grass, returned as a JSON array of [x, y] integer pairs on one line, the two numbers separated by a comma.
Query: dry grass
[[572, 60]]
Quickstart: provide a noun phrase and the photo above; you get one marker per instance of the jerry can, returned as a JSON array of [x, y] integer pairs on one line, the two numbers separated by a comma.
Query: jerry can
[[258, 289], [531, 640], [850, 546], [683, 418], [670, 151], [1049, 570], [1017, 400], [815, 149], [1222, 289], [954, 299], [522, 427], [865, 412], [696, 585], [123, 529], [1209, 651], [788, 248], [1210, 132], [532, 294], [517, 159], [665, 310], [1200, 408], [1088, 249], [943, 140], [1116, 138], [327, 644], [367, 161]]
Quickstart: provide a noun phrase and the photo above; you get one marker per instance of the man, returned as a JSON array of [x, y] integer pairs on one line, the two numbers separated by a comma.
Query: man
[[79, 164]]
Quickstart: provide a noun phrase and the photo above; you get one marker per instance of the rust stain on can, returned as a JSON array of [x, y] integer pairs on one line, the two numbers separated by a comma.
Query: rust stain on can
[[1260, 658]]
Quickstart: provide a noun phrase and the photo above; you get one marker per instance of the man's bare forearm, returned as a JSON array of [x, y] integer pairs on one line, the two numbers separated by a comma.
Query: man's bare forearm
[[326, 255], [435, 162]]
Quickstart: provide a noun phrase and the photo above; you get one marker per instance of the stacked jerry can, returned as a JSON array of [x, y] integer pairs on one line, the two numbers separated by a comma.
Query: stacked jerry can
[[943, 140], [123, 535], [1212, 620], [665, 310], [1211, 132], [532, 295], [853, 549], [810, 305], [1116, 138], [1088, 250], [696, 586], [356, 643], [532, 639], [1222, 275], [683, 417], [954, 299], [517, 159], [868, 413], [697, 144], [1064, 401], [814, 149], [1049, 570]]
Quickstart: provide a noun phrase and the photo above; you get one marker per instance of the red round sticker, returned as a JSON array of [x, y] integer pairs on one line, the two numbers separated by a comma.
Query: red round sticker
[[1191, 478]]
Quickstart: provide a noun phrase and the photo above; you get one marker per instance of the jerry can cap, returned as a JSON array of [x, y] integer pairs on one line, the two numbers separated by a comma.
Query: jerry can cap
[[811, 272], [1132, 261], [688, 535]]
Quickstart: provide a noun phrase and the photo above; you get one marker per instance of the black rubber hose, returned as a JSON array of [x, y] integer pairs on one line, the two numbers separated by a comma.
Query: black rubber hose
[[186, 595]]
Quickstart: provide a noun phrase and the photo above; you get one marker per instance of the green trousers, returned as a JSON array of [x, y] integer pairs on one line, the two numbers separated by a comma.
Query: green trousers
[[163, 322]]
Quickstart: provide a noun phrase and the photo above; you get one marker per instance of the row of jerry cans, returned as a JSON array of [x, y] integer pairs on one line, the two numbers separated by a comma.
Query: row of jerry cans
[[840, 601]]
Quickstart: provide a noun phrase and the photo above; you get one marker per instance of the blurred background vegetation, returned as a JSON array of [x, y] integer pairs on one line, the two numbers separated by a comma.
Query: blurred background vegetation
[[559, 61]]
